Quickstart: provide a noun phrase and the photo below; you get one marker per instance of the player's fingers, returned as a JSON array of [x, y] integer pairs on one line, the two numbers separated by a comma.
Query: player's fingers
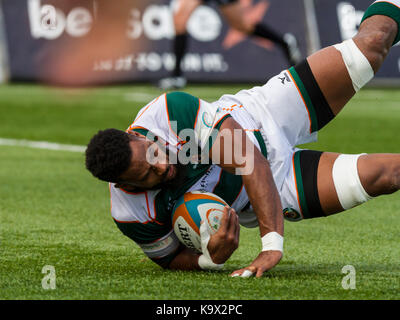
[[232, 213], [237, 272], [237, 231], [232, 221], [225, 220], [236, 227], [244, 273]]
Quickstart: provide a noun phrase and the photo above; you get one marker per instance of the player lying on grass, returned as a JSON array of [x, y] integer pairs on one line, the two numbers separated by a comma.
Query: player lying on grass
[[274, 118]]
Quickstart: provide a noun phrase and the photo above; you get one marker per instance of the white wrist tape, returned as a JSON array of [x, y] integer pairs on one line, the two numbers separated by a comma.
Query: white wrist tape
[[357, 64], [205, 262], [272, 241]]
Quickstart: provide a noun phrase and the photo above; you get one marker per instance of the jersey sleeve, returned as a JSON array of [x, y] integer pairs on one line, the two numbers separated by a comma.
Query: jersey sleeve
[[136, 218], [194, 118]]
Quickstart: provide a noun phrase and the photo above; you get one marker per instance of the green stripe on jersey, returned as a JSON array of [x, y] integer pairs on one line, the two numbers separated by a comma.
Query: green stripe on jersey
[[386, 9], [147, 133], [307, 100], [182, 108], [214, 133], [261, 143], [300, 186], [142, 131]]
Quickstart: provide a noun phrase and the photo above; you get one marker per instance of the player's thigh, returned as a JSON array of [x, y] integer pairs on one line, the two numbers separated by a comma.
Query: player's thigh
[[356, 178], [299, 193], [296, 104], [372, 43], [353, 179], [320, 184], [330, 73], [309, 188]]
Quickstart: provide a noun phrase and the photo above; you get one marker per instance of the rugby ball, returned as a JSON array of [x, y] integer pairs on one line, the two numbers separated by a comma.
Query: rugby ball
[[192, 208]]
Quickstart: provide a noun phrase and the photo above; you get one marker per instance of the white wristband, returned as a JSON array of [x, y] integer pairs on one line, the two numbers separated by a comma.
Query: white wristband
[[207, 264], [272, 241]]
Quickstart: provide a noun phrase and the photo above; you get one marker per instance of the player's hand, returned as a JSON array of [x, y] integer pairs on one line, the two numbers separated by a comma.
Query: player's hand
[[226, 240], [265, 261]]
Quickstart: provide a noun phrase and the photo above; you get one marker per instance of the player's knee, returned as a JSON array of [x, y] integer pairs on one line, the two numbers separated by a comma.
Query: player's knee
[[375, 46], [364, 54], [383, 179], [391, 178], [376, 36]]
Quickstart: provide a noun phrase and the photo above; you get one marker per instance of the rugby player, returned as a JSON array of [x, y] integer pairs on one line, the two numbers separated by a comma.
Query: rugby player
[[233, 12], [287, 111]]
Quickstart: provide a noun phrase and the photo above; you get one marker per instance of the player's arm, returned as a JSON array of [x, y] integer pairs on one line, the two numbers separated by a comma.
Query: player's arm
[[218, 247], [186, 259], [131, 212], [239, 154], [169, 253]]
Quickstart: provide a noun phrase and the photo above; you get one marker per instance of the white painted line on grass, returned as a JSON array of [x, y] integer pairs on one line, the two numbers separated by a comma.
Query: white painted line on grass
[[41, 145]]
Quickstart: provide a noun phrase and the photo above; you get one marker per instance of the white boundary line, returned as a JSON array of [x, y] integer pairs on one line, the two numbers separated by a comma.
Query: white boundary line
[[42, 145]]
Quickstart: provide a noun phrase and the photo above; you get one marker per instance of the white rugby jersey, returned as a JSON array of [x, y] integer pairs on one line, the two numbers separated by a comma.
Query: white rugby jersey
[[145, 217]]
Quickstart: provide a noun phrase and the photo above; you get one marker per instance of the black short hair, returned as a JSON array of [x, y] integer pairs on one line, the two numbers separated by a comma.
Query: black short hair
[[108, 154]]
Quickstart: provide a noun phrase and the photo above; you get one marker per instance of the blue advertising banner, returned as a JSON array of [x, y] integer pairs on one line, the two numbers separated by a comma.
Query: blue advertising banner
[[340, 20], [101, 41]]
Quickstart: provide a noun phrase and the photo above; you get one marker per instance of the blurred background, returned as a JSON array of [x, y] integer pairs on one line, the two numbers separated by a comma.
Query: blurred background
[[90, 42]]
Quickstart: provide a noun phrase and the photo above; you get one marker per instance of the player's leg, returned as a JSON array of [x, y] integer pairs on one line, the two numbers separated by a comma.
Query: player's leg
[[181, 13], [345, 181], [181, 16], [343, 69], [233, 13], [324, 183]]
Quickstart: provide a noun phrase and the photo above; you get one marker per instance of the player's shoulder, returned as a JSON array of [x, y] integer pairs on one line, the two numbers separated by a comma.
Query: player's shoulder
[[132, 207], [171, 100], [180, 99], [153, 107], [152, 118], [139, 217]]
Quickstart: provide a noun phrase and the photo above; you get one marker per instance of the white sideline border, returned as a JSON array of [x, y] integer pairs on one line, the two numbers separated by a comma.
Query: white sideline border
[[42, 145]]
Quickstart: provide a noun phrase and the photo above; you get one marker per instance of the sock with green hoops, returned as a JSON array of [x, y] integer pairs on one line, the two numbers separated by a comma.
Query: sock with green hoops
[[390, 9]]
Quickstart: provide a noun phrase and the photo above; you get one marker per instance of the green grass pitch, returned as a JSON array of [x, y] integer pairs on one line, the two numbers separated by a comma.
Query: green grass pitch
[[52, 212]]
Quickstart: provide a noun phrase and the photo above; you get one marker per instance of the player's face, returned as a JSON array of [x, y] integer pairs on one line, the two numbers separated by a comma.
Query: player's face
[[144, 175]]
